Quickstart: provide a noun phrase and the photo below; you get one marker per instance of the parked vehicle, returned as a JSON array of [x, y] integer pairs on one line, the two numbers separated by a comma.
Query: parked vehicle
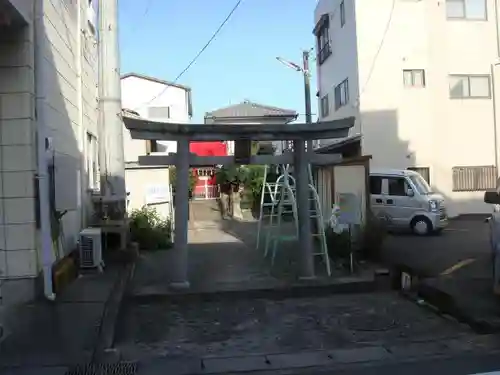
[[403, 199], [492, 197]]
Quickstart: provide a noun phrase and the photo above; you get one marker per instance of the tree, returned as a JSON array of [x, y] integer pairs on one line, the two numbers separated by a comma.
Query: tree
[[192, 179]]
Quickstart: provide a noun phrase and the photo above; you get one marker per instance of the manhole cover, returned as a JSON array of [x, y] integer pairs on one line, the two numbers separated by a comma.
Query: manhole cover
[[104, 369]]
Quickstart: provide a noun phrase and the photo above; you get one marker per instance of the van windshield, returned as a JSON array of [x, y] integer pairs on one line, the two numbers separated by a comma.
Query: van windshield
[[421, 185]]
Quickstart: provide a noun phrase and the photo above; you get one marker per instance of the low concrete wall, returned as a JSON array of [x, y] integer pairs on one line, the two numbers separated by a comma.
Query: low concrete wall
[[149, 186]]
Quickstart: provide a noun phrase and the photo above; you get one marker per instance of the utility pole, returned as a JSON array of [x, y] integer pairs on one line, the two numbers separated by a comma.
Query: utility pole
[[307, 93], [111, 157], [301, 171], [304, 69]]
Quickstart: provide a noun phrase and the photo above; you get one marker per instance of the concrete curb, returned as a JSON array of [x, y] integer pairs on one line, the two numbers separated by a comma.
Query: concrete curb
[[363, 285], [320, 361], [112, 308], [447, 304], [441, 302]]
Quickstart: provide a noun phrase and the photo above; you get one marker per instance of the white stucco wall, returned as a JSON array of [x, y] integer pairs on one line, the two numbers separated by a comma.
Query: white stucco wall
[[67, 105], [140, 94], [422, 127]]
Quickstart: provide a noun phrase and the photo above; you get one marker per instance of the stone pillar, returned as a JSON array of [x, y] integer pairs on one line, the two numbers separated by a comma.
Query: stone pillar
[[179, 257], [302, 199]]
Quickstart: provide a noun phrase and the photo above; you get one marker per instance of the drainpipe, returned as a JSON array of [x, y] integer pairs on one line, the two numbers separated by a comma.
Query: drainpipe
[[42, 172], [493, 86], [82, 132], [494, 105]]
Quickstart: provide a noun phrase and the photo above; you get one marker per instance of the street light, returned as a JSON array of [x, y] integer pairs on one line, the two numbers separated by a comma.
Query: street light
[[304, 69], [494, 104]]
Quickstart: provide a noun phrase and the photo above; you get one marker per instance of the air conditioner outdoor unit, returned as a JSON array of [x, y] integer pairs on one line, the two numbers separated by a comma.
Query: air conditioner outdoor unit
[[90, 247]]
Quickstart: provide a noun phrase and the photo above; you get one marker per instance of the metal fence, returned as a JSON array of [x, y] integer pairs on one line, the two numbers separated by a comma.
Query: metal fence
[[476, 178], [206, 191]]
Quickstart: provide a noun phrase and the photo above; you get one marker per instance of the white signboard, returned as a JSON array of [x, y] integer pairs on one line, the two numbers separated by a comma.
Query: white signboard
[[157, 194]]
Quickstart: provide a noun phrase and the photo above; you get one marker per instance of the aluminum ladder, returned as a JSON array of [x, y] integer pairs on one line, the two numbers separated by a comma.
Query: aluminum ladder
[[284, 202]]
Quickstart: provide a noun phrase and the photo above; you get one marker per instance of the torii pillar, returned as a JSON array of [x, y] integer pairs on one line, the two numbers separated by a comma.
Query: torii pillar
[[180, 279]]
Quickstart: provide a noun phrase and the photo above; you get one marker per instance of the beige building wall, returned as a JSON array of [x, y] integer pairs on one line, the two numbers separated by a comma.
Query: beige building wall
[[48, 77], [18, 259]]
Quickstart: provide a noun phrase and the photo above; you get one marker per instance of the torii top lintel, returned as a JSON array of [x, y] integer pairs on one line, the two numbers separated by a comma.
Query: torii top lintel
[[141, 128]]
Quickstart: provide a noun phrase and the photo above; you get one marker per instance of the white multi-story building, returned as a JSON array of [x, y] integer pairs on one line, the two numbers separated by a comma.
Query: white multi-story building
[[157, 100], [419, 75], [48, 136]]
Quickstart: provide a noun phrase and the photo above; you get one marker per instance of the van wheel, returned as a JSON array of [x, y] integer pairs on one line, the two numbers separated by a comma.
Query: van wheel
[[421, 226]]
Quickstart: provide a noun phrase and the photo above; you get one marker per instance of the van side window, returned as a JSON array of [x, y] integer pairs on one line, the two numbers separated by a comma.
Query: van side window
[[375, 185], [397, 186]]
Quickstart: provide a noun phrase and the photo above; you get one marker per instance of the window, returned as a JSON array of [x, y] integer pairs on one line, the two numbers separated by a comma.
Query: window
[[469, 86], [325, 106], [322, 32], [466, 9], [342, 14], [397, 186], [92, 162], [475, 178], [375, 185], [414, 78], [342, 94], [159, 112], [425, 172]]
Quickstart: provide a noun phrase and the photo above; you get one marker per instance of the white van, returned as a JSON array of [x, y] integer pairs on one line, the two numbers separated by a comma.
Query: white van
[[405, 200]]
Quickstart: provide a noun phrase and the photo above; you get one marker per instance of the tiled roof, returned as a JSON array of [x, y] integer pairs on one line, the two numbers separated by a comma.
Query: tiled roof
[[250, 109]]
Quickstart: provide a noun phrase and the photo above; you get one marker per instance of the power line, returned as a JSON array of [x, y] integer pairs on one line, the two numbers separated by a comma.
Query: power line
[[212, 38], [382, 41], [144, 15], [379, 49]]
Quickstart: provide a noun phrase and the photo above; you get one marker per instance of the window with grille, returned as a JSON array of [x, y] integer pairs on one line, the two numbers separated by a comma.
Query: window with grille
[[466, 9], [322, 33], [425, 172], [325, 106], [342, 94], [476, 178], [342, 14], [469, 86], [414, 78]]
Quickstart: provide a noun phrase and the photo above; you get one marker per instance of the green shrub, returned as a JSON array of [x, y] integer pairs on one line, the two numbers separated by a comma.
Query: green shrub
[[150, 230], [339, 244]]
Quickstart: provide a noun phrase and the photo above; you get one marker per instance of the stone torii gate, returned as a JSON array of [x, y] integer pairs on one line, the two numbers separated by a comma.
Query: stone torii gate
[[184, 133]]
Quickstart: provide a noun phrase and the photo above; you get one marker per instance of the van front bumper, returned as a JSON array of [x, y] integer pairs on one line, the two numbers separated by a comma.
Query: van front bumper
[[439, 220]]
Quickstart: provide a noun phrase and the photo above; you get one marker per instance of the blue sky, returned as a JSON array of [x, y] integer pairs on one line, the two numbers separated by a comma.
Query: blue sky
[[239, 64]]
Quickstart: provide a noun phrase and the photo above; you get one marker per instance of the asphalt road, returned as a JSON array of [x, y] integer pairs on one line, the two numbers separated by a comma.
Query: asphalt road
[[430, 256]]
